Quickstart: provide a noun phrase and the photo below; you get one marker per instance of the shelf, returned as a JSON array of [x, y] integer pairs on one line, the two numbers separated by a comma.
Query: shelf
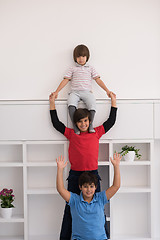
[[41, 164], [14, 218], [39, 152], [46, 237], [103, 163], [132, 238], [12, 238], [134, 163], [10, 164], [42, 191], [11, 152], [134, 190]]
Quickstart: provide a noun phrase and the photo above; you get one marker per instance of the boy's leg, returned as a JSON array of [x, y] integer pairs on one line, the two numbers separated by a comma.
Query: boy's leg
[[66, 228], [73, 100], [91, 129], [72, 110]]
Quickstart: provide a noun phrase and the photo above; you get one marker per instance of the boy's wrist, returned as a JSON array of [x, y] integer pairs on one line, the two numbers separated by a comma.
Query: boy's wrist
[[116, 167], [114, 104], [60, 170]]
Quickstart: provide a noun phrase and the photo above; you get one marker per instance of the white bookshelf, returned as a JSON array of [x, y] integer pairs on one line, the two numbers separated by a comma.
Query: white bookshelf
[[28, 165], [132, 206], [35, 166]]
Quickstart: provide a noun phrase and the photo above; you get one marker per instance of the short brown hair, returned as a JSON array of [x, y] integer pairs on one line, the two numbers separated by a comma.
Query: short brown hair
[[81, 50], [88, 178], [81, 113]]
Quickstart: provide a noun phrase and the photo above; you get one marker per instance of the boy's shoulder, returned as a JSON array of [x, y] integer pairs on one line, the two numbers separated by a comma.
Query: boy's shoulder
[[101, 197], [73, 198]]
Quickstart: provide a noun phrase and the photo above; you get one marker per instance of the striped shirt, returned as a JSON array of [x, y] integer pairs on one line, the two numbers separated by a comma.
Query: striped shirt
[[81, 77]]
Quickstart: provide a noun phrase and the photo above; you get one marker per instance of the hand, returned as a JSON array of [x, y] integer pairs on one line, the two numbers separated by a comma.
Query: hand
[[61, 164], [52, 97], [110, 94], [116, 159], [55, 94], [113, 99]]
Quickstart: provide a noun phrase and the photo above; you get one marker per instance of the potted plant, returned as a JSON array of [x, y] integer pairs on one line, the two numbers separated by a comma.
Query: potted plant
[[7, 198], [129, 153]]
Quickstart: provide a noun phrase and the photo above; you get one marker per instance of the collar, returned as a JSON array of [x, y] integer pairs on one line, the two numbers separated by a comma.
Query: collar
[[83, 133], [85, 65], [93, 200]]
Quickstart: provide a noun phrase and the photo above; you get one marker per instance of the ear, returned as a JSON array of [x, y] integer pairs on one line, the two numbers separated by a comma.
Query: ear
[[80, 187]]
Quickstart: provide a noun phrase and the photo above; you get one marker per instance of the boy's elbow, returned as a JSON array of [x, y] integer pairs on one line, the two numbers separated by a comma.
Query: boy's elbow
[[117, 187], [59, 191]]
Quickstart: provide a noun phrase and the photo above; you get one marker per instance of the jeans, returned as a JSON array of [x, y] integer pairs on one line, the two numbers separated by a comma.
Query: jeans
[[73, 186]]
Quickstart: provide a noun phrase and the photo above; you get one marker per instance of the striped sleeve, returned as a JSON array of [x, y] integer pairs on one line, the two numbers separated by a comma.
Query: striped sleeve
[[69, 73], [94, 73]]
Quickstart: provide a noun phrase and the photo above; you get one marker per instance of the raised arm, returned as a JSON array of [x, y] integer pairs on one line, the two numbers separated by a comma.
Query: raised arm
[[113, 99], [62, 84], [58, 125], [116, 180], [103, 86], [52, 101], [112, 117], [61, 164]]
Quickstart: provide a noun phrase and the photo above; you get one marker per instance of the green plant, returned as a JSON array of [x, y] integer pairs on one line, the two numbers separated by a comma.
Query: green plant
[[7, 197], [127, 148]]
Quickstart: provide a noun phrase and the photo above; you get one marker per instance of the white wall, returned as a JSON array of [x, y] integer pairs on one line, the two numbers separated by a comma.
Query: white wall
[[37, 38]]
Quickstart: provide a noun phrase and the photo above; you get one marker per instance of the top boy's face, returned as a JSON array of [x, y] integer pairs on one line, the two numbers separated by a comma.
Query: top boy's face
[[81, 60], [83, 124]]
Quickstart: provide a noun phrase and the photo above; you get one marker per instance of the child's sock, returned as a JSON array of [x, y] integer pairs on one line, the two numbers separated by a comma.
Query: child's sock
[[71, 110], [91, 129]]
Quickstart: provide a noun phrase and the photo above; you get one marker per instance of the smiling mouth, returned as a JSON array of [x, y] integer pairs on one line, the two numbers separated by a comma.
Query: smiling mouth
[[88, 193]]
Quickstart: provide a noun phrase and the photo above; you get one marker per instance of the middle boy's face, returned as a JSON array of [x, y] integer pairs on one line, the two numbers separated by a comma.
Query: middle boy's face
[[83, 124]]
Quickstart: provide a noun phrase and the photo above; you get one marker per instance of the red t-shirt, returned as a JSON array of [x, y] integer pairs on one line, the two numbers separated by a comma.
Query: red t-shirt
[[84, 148]]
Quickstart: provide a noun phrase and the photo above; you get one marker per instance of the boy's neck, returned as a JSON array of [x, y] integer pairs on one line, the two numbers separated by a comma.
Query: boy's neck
[[87, 199]]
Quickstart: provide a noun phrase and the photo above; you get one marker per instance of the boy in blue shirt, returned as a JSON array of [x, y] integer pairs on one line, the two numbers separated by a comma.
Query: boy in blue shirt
[[87, 210]]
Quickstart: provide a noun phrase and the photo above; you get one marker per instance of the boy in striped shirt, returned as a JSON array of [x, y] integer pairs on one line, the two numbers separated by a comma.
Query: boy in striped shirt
[[81, 76]]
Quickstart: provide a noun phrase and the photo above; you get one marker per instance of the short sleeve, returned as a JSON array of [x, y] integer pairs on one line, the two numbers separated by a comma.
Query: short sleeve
[[100, 131], [103, 197], [68, 133], [94, 73], [72, 200], [69, 73]]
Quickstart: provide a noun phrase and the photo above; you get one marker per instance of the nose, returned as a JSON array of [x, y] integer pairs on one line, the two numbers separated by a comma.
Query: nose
[[89, 188]]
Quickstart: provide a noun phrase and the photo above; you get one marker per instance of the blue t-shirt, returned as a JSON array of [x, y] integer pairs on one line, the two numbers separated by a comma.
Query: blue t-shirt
[[88, 218]]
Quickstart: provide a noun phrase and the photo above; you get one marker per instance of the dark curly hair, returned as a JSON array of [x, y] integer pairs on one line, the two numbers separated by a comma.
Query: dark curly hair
[[89, 178]]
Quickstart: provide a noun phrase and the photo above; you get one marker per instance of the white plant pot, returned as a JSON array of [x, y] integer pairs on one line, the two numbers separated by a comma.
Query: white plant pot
[[6, 212], [129, 157]]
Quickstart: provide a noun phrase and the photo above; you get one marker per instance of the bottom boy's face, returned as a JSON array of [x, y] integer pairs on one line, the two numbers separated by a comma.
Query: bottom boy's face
[[88, 191], [83, 124]]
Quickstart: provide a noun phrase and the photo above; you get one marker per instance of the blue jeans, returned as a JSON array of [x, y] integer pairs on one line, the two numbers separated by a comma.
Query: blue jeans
[[73, 186]]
